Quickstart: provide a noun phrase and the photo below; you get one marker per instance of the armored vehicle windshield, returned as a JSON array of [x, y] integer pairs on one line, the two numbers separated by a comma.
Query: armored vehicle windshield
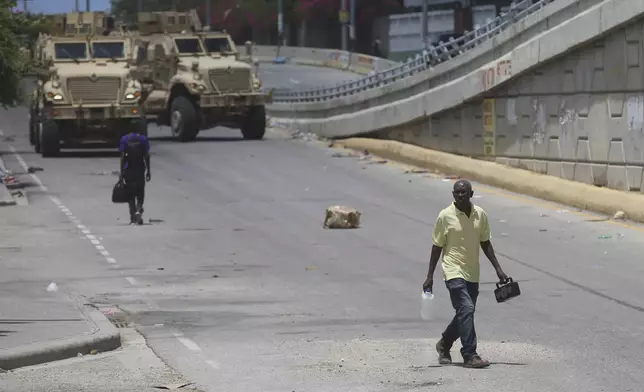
[[188, 45], [108, 49], [70, 50], [217, 45]]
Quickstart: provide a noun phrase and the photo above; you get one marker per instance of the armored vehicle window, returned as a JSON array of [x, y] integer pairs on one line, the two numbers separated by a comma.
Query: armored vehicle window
[[108, 50], [70, 50], [217, 45], [188, 45]]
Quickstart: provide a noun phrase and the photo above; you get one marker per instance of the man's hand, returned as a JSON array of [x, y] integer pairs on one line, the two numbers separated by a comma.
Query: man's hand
[[148, 176], [502, 276], [429, 284]]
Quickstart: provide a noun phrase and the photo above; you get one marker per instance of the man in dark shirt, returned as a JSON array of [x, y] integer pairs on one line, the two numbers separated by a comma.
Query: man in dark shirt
[[135, 171]]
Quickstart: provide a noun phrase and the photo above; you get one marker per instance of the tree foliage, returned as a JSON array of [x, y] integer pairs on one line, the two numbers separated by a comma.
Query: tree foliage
[[18, 32]]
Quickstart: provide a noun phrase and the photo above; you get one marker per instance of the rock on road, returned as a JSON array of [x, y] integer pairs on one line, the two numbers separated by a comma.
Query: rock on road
[[237, 286]]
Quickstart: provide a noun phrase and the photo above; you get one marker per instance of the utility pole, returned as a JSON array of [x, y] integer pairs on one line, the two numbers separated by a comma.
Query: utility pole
[[343, 24], [24, 5], [352, 26], [208, 12], [280, 23], [77, 8], [87, 5], [423, 22]]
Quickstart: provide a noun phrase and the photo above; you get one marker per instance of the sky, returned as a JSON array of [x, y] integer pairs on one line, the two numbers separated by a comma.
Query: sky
[[57, 6]]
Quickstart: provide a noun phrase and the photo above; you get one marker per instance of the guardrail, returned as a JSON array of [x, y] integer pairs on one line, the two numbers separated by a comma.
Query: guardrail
[[421, 62]]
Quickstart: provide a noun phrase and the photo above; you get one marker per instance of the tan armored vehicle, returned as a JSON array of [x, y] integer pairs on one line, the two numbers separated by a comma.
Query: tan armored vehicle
[[85, 91], [194, 79]]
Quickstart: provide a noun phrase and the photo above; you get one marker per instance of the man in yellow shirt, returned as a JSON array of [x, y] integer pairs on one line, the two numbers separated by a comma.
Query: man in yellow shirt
[[459, 231]]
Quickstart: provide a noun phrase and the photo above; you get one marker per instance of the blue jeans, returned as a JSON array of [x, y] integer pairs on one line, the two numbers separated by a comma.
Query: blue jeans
[[463, 295]]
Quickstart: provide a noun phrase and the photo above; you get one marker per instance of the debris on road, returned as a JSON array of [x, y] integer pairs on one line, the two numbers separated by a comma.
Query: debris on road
[[619, 215], [172, 387], [605, 237], [34, 169], [345, 155], [416, 171], [341, 217], [53, 287]]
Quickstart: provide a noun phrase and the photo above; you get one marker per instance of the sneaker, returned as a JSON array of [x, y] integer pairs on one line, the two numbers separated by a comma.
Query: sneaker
[[476, 362], [444, 357], [138, 218]]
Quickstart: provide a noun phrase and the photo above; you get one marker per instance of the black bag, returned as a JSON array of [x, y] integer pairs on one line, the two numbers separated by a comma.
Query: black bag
[[506, 290], [120, 193]]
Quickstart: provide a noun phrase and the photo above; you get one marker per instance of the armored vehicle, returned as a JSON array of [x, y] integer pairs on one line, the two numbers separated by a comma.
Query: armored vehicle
[[194, 79], [86, 92]]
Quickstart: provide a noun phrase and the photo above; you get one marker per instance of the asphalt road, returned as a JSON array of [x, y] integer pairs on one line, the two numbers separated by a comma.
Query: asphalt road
[[237, 286]]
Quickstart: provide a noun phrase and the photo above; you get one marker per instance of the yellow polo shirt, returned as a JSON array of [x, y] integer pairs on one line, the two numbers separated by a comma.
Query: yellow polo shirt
[[461, 237]]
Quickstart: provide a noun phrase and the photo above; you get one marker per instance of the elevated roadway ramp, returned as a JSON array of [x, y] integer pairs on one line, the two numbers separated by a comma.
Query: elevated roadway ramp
[[567, 102]]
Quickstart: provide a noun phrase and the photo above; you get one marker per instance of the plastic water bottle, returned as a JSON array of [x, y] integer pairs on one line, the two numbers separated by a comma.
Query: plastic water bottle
[[427, 305]]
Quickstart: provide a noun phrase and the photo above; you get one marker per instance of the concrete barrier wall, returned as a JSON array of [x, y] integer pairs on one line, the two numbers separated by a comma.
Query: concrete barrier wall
[[332, 58], [568, 103]]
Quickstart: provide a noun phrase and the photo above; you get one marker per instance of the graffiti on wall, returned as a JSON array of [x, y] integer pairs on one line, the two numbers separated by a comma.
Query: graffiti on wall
[[540, 122], [497, 73], [567, 120], [489, 127], [337, 60]]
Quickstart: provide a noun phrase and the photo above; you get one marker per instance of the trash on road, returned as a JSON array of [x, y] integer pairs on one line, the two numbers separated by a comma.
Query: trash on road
[[310, 268], [416, 171], [341, 217], [33, 169], [52, 288], [619, 215], [172, 387], [344, 155], [605, 237]]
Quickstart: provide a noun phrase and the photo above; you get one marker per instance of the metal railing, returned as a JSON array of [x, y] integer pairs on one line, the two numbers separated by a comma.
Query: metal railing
[[421, 62]]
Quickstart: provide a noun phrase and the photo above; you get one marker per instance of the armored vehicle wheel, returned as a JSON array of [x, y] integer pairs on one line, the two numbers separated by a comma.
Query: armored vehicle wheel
[[49, 139], [183, 119], [254, 125], [33, 128]]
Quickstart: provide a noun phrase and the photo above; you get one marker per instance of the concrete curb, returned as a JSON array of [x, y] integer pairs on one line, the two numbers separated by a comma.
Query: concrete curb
[[105, 337], [572, 193], [6, 199]]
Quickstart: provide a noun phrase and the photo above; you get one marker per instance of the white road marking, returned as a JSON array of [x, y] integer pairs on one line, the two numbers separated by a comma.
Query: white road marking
[[190, 344], [67, 212], [213, 364]]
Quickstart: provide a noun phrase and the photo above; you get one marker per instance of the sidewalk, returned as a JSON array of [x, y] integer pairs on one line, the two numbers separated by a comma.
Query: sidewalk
[[37, 247], [37, 326]]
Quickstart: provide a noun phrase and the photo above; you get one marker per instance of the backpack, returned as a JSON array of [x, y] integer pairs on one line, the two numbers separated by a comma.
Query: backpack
[[135, 152]]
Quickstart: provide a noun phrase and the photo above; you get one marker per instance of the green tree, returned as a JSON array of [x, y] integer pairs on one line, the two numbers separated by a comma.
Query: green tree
[[18, 32]]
